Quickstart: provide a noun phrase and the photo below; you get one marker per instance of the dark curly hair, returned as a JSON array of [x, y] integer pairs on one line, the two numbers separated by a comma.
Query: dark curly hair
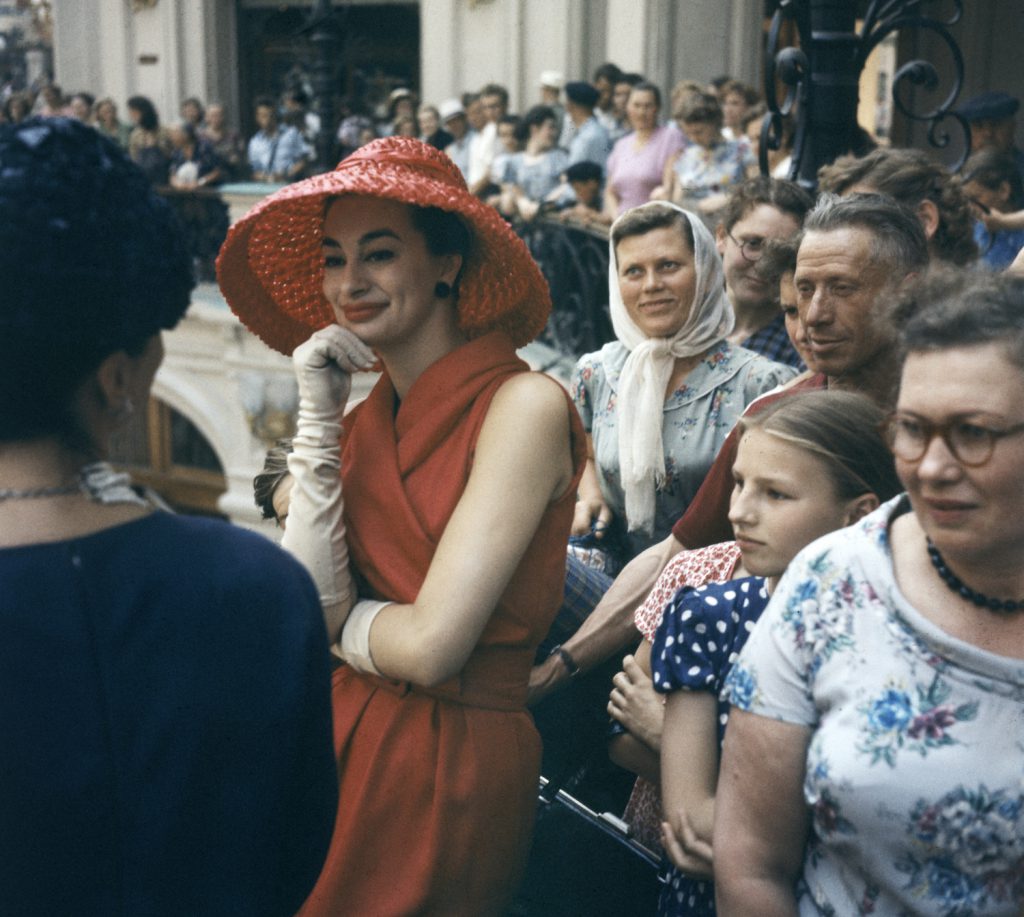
[[911, 177], [785, 196], [92, 262]]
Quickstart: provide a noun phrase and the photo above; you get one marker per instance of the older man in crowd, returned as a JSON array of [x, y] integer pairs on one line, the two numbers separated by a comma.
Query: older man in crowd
[[852, 257]]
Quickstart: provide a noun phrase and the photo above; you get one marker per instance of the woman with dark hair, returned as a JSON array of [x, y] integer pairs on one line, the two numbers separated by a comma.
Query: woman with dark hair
[[532, 174], [390, 258], [872, 762], [637, 161], [147, 769], [149, 145]]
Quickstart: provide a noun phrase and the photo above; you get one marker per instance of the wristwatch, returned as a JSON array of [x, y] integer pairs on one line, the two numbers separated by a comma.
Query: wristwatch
[[567, 660]]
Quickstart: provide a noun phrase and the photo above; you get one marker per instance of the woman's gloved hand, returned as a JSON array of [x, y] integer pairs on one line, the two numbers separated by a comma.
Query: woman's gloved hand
[[315, 534]]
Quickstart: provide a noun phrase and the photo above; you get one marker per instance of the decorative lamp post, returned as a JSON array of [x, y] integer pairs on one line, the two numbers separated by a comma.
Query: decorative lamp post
[[325, 36], [821, 77]]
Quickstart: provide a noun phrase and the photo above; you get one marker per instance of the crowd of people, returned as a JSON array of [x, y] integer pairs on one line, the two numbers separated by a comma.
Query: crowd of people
[[788, 491], [588, 150]]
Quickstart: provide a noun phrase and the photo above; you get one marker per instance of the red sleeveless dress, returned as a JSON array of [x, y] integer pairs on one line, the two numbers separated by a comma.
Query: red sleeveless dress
[[438, 786]]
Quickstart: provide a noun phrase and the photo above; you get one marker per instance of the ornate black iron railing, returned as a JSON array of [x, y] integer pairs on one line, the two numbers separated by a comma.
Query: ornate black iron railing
[[574, 260], [820, 77]]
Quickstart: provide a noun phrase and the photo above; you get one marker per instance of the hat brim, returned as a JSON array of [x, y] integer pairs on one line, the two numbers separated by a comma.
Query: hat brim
[[270, 267]]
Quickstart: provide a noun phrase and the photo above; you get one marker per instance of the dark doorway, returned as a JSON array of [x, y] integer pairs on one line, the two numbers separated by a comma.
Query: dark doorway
[[380, 50]]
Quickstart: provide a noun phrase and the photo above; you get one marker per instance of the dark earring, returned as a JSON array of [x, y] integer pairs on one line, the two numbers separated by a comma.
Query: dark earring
[[442, 290]]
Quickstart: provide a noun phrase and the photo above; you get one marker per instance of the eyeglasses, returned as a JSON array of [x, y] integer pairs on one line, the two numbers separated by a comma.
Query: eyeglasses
[[751, 249], [971, 443]]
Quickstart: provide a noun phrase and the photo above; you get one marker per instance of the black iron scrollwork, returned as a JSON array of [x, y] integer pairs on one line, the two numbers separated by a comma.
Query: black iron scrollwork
[[574, 261], [791, 67], [885, 18]]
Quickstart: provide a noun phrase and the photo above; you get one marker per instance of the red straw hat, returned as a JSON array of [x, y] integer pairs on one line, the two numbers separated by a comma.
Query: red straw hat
[[271, 265]]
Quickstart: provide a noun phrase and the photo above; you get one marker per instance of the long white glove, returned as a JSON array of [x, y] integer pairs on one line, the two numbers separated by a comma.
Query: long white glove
[[354, 645], [315, 533]]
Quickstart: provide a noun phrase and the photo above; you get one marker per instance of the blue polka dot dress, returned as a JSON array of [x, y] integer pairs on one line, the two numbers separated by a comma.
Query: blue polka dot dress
[[695, 646]]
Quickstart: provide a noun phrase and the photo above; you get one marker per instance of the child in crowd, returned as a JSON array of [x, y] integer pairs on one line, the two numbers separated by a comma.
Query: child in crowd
[[584, 204], [806, 465], [994, 186]]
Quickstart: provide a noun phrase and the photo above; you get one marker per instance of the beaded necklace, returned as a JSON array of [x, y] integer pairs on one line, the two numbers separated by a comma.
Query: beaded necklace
[[957, 585]]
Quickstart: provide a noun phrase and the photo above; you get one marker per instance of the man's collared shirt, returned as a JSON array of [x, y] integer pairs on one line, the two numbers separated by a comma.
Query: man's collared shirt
[[277, 154], [590, 144]]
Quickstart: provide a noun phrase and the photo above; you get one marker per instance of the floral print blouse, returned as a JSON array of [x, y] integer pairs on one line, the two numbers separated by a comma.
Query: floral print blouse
[[696, 419], [702, 172], [915, 769]]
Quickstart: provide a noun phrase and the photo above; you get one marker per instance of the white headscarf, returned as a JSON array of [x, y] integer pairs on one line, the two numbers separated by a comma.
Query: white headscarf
[[645, 375]]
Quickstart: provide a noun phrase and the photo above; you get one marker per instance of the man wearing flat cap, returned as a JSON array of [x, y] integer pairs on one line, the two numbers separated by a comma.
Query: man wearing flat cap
[[991, 119], [590, 142]]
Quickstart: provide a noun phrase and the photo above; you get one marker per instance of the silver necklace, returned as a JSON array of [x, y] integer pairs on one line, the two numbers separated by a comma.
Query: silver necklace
[[97, 481], [34, 493]]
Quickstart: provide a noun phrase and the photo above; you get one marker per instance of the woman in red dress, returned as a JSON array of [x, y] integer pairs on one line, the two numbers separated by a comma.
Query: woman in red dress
[[459, 475]]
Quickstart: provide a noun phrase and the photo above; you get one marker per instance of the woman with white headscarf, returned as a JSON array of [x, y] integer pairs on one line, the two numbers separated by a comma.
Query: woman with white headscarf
[[658, 402]]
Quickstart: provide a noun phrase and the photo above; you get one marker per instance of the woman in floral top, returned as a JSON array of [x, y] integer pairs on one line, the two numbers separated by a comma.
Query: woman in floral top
[[658, 402], [705, 172], [874, 761]]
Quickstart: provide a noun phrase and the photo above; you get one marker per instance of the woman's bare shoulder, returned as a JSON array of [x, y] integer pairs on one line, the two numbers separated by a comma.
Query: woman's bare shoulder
[[534, 395]]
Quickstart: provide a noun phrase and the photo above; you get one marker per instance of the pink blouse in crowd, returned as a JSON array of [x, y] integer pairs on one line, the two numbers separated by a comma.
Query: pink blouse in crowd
[[634, 172]]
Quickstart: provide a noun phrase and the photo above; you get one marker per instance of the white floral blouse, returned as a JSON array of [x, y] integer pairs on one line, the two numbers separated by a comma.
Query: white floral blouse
[[915, 770], [696, 419]]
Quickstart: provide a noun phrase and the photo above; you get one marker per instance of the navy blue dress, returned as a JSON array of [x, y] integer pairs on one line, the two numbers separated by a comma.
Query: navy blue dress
[[165, 724], [695, 646]]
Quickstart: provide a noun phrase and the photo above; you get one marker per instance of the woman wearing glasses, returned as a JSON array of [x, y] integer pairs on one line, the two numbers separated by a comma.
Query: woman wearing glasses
[[873, 757], [759, 211]]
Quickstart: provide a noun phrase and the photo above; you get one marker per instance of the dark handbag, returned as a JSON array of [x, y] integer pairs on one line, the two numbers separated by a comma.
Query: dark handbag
[[585, 863]]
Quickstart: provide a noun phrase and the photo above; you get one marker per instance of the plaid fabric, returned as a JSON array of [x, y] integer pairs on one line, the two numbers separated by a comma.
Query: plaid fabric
[[773, 342], [584, 587]]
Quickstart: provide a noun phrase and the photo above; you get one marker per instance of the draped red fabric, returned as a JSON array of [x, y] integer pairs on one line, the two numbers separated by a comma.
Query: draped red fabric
[[437, 786]]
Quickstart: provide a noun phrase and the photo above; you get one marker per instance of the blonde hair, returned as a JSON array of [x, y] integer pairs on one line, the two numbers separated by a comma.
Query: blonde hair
[[844, 430]]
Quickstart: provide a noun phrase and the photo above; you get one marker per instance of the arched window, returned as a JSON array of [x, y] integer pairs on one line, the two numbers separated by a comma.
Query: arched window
[[164, 450]]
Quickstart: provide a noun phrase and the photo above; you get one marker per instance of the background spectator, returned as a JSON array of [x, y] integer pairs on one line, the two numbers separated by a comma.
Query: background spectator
[[994, 186], [276, 153], [637, 162], [430, 131], [227, 143], [107, 122], [148, 144]]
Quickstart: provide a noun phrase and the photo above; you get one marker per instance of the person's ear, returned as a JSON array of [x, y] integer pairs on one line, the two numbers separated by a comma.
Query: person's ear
[[720, 239], [928, 214], [451, 265], [859, 507], [114, 380]]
